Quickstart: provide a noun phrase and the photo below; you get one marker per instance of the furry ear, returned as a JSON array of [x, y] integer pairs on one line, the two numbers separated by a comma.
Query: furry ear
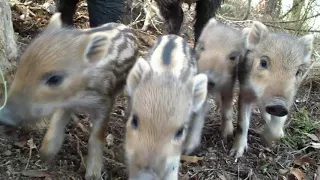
[[96, 47], [140, 69], [199, 89], [55, 22], [258, 32], [307, 43], [212, 21]]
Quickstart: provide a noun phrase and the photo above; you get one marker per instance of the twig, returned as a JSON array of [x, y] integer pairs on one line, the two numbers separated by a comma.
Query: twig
[[115, 162], [79, 151]]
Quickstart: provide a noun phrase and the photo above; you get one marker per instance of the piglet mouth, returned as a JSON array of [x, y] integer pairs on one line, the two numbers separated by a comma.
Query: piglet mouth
[[277, 107]]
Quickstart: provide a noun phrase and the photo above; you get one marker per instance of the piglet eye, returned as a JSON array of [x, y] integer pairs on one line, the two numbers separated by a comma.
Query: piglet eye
[[179, 133], [299, 72], [232, 58], [54, 78], [135, 121], [264, 62]]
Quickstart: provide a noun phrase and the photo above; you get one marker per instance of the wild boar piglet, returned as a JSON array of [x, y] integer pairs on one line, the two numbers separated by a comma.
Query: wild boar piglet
[[167, 100], [219, 50], [269, 76], [64, 70]]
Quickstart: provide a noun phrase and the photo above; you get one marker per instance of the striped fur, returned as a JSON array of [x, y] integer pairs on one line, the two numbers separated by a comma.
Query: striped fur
[[220, 48], [167, 99], [269, 76], [64, 71]]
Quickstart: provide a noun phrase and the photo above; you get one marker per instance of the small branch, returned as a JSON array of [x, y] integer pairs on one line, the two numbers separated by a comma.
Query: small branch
[[291, 29], [248, 11]]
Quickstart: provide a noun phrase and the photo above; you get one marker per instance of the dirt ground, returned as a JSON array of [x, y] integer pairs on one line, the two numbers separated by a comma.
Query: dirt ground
[[295, 156]]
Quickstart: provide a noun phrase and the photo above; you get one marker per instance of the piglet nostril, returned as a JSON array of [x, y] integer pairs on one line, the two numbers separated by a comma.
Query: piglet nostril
[[277, 110], [211, 84]]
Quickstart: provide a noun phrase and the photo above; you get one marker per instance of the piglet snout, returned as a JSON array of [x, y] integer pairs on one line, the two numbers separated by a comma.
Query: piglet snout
[[277, 107]]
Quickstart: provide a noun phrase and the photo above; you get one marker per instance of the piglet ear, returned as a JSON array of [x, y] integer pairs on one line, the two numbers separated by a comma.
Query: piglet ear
[[55, 22], [199, 89], [96, 48], [212, 22], [307, 43], [140, 69], [258, 32]]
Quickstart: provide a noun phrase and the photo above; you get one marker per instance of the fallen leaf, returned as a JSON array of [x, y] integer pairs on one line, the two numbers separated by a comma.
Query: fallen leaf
[[221, 176], [304, 160], [296, 174], [193, 159], [315, 145], [110, 140], [313, 137], [283, 171], [31, 144], [35, 173], [20, 144]]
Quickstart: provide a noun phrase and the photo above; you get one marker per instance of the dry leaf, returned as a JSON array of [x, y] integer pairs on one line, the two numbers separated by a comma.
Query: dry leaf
[[21, 144], [313, 137], [303, 161], [193, 159], [110, 139], [283, 171], [296, 174], [315, 145], [31, 144]]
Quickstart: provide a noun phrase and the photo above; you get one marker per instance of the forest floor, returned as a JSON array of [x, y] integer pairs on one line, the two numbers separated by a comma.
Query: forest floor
[[296, 156]]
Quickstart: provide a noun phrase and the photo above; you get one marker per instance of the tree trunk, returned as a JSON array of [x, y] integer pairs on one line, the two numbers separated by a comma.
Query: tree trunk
[[296, 9], [8, 47], [273, 8]]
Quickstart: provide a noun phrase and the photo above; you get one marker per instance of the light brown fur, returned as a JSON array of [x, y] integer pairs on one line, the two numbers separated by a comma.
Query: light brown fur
[[90, 67], [269, 76], [166, 116], [219, 49]]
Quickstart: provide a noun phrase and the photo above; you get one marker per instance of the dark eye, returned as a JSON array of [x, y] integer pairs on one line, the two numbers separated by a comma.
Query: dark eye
[[179, 133], [299, 72], [211, 84], [135, 121], [264, 62], [53, 78], [233, 56]]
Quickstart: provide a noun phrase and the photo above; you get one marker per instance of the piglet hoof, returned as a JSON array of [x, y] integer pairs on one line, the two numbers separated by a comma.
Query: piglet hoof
[[226, 130], [93, 174], [48, 152], [238, 149], [93, 170], [272, 135]]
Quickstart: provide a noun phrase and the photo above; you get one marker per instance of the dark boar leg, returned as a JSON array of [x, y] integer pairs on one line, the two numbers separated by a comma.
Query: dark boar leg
[[172, 14], [205, 9], [105, 11], [67, 9]]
